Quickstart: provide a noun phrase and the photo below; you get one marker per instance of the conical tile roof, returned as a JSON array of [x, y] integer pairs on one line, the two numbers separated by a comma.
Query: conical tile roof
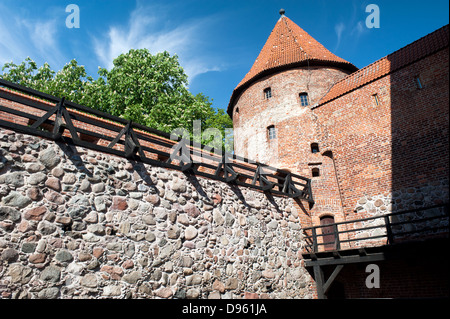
[[288, 46]]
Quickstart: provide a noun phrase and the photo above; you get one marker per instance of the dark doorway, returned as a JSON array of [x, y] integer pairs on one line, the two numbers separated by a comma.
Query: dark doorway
[[328, 232]]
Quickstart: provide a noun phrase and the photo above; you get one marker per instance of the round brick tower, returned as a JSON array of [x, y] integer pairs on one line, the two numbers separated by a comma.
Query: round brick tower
[[272, 106]]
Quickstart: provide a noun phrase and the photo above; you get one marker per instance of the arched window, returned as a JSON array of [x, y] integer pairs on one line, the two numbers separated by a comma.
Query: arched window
[[329, 237], [304, 99], [314, 148]]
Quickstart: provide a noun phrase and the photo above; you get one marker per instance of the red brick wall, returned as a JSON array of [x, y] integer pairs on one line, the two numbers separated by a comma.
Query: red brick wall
[[402, 278], [375, 156], [253, 114], [295, 130], [420, 123], [402, 143]]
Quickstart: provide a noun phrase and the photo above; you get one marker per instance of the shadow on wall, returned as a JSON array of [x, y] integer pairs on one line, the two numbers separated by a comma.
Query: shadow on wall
[[419, 137], [420, 133]]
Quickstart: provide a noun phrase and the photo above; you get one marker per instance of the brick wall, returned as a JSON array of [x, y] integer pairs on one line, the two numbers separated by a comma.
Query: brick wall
[[253, 113], [295, 130], [402, 278], [398, 146], [383, 147]]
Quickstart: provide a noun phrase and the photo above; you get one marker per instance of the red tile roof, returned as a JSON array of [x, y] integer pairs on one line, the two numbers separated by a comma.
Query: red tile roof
[[411, 53], [288, 46]]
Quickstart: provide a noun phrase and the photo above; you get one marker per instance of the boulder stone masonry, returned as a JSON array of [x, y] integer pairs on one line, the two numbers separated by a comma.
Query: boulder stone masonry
[[75, 223]]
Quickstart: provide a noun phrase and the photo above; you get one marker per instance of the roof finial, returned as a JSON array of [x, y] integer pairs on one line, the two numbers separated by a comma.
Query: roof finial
[[282, 11]]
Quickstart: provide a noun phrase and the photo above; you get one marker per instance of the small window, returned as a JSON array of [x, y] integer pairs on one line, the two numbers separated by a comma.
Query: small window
[[315, 172], [267, 93], [418, 82], [304, 99], [376, 100], [237, 110], [271, 132], [315, 148]]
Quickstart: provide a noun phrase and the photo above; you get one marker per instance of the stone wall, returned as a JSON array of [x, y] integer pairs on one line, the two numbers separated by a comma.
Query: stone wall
[[75, 223]]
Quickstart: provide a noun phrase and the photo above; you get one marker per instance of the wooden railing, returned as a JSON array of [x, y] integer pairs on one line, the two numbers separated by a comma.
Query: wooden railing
[[379, 230], [32, 112]]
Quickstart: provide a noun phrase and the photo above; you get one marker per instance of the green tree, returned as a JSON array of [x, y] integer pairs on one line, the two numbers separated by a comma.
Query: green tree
[[141, 87], [68, 82]]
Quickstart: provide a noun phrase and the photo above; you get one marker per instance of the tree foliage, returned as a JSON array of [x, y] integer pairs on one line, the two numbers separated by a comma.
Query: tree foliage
[[141, 87]]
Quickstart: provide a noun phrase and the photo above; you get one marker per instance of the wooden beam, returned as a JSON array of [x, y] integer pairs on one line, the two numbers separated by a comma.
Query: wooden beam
[[67, 118], [264, 183], [345, 260], [69, 123], [47, 115], [332, 277], [318, 277], [117, 138], [229, 174]]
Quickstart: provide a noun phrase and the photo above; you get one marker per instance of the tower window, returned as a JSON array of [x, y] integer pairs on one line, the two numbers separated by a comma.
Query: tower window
[[418, 82], [271, 132], [315, 148], [237, 110], [376, 100], [315, 172], [267, 93], [304, 99]]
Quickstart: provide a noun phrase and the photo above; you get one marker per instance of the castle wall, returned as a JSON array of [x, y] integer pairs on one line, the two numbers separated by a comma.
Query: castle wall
[[400, 278], [392, 156], [76, 223], [253, 113], [295, 129]]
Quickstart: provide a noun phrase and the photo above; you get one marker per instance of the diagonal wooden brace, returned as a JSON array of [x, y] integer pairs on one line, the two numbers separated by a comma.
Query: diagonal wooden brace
[[47, 115], [228, 172], [181, 153], [264, 183]]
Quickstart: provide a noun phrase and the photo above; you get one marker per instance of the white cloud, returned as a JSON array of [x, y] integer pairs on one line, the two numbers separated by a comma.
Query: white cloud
[[21, 37], [149, 30], [359, 29], [339, 28], [43, 33], [354, 30]]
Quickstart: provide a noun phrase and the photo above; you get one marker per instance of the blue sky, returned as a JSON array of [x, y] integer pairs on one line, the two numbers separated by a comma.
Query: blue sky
[[217, 41]]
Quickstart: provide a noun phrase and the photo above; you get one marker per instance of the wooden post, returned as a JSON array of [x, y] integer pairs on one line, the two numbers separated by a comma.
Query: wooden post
[[314, 238], [336, 236], [390, 235], [318, 277]]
